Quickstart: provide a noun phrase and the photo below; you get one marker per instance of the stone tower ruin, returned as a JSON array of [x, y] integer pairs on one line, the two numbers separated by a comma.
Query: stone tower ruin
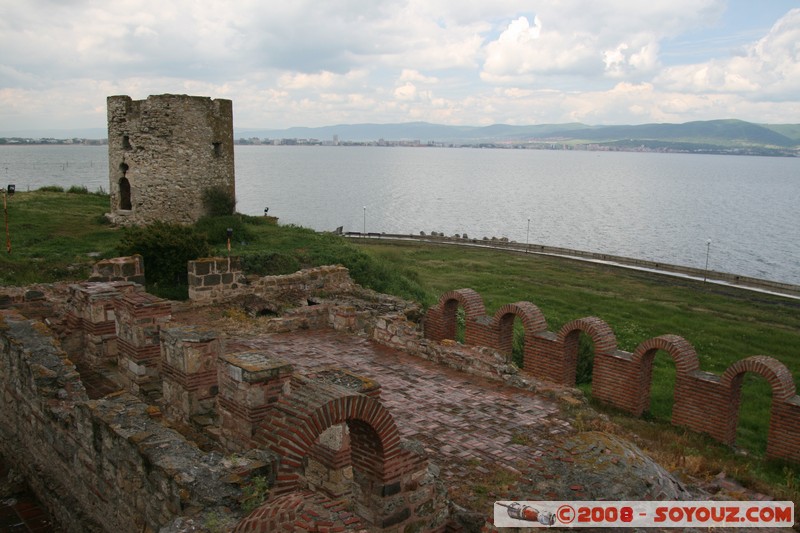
[[164, 153]]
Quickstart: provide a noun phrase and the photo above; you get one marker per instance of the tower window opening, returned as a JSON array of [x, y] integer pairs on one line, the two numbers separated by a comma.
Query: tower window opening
[[125, 194]]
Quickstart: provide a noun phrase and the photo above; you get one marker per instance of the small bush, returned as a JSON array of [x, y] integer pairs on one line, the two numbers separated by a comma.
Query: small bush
[[216, 229], [166, 249], [218, 202], [51, 188], [78, 189], [269, 263], [254, 493], [365, 269]]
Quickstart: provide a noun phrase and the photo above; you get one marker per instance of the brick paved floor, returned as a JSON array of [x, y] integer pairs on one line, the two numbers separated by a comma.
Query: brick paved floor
[[21, 513], [467, 424]]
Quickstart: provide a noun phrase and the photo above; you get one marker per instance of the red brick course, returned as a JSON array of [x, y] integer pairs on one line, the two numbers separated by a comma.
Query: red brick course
[[301, 511], [384, 471], [703, 402]]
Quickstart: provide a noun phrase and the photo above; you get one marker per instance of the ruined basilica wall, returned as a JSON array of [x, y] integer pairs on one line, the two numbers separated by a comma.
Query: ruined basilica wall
[[98, 465], [167, 149]]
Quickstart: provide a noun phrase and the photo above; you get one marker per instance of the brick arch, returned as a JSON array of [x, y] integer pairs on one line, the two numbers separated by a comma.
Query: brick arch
[[775, 372], [440, 321], [374, 437], [782, 435], [605, 342], [273, 514], [468, 298], [601, 333], [300, 511], [533, 321], [681, 351], [686, 361]]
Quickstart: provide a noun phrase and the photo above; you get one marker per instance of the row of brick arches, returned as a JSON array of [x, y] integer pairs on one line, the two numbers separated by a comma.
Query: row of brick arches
[[703, 401]]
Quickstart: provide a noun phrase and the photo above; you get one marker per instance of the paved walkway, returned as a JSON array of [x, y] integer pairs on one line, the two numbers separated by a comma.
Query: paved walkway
[[469, 425]]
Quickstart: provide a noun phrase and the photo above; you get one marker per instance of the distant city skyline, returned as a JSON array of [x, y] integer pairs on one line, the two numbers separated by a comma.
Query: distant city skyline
[[343, 62]]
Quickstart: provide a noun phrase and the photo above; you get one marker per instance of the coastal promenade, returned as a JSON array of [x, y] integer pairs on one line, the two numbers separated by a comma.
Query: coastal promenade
[[709, 276]]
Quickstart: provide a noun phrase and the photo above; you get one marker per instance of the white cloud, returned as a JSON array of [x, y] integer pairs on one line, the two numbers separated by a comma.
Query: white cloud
[[628, 60], [407, 91], [414, 75], [769, 68], [315, 63], [319, 80], [525, 50], [590, 41]]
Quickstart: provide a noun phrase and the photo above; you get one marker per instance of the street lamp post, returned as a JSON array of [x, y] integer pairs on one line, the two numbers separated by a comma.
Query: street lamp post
[[6, 193], [364, 232], [528, 235], [708, 250]]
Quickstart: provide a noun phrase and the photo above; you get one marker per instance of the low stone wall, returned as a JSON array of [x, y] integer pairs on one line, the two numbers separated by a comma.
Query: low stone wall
[[704, 402], [101, 465], [215, 280], [119, 269]]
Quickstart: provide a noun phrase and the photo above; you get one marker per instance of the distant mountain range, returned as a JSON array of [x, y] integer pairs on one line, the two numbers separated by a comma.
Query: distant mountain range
[[729, 133], [721, 135]]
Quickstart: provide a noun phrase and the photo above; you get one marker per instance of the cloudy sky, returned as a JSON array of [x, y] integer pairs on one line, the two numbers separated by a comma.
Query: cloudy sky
[[467, 62]]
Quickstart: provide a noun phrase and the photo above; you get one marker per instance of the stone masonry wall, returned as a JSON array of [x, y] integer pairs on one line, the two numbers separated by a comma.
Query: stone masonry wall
[[99, 465], [163, 153], [219, 279], [119, 269], [704, 402], [91, 319]]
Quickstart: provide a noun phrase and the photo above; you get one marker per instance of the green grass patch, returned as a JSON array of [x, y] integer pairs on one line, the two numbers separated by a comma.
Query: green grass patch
[[54, 236], [57, 237]]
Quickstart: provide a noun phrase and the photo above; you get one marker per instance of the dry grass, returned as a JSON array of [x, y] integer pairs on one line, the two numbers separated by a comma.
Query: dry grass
[[484, 485], [692, 457]]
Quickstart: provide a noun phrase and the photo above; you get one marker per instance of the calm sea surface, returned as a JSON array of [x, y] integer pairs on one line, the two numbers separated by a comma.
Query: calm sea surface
[[661, 207]]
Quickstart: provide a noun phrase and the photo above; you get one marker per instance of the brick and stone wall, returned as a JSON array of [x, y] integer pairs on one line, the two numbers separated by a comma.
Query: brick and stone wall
[[393, 488], [119, 269], [704, 402], [107, 464], [302, 511], [91, 319], [140, 317], [164, 152], [189, 372], [216, 280]]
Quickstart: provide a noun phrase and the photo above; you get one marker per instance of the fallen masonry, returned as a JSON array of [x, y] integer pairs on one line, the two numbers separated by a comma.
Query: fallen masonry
[[314, 405]]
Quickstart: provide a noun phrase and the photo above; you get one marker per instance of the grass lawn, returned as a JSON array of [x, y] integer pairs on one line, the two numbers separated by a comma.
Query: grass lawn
[[52, 235]]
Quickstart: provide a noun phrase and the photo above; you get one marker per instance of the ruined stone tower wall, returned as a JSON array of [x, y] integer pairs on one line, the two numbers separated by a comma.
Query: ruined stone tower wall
[[164, 152]]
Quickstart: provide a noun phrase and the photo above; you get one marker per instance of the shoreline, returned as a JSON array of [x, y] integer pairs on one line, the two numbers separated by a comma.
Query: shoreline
[[774, 288]]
